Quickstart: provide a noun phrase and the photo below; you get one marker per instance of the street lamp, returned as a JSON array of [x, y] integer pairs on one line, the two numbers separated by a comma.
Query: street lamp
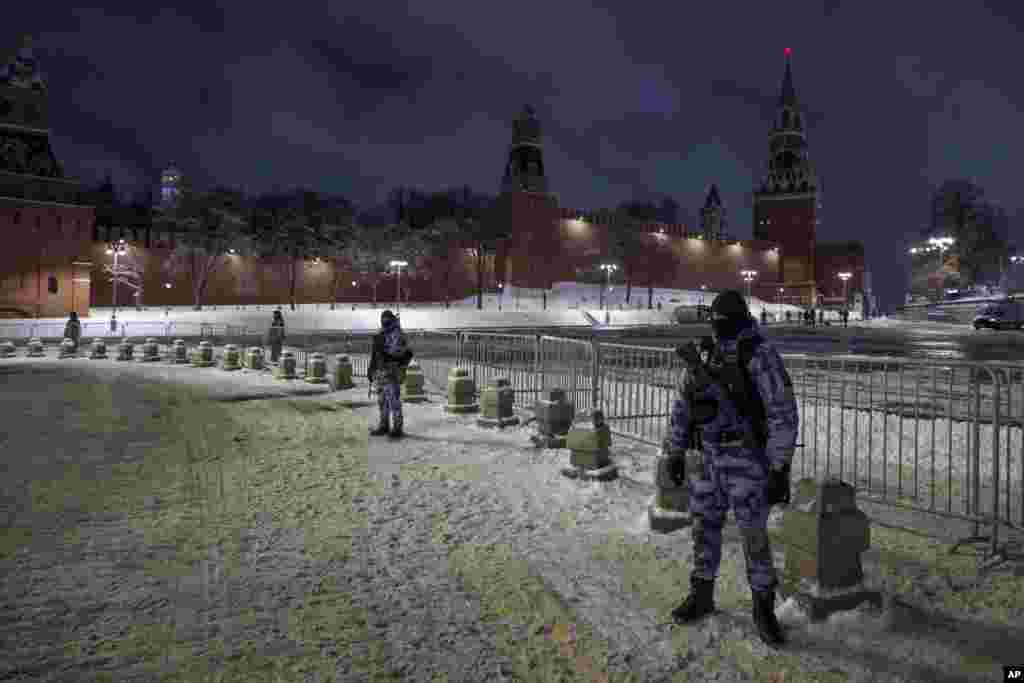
[[116, 249], [608, 269], [781, 290], [845, 277], [748, 277], [399, 265]]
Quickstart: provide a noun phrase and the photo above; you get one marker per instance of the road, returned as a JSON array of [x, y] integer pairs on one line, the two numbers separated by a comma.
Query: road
[[922, 340]]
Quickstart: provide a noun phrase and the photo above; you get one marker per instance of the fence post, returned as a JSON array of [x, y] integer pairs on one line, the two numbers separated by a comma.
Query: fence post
[[595, 370], [996, 397], [538, 363], [976, 447]]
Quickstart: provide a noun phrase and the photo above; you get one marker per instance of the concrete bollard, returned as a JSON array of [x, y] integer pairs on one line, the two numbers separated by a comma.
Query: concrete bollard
[[67, 349], [7, 349], [825, 535], [150, 350], [98, 351], [412, 384], [496, 405], [254, 358], [317, 369], [343, 374], [179, 352], [202, 357], [231, 358], [589, 447], [35, 347], [554, 419], [671, 508], [125, 350], [286, 370], [461, 392]]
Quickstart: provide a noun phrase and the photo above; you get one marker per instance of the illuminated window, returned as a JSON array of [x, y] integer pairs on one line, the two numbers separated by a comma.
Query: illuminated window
[[51, 284]]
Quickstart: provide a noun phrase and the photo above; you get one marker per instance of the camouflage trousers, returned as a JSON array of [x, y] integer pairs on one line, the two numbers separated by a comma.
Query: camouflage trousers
[[275, 352], [732, 477], [389, 396]]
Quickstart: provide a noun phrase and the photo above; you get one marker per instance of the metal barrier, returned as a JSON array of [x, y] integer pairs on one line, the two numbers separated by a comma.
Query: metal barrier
[[569, 364], [943, 438], [489, 356]]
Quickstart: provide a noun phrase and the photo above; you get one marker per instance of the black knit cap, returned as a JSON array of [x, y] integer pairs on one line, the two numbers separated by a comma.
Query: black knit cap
[[387, 315], [730, 304]]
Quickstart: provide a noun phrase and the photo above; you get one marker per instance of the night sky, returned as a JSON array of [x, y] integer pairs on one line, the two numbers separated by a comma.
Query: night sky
[[636, 99]]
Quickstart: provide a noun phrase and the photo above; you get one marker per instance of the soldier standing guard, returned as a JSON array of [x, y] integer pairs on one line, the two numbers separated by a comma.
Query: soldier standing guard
[[391, 355], [275, 336], [73, 329], [741, 406]]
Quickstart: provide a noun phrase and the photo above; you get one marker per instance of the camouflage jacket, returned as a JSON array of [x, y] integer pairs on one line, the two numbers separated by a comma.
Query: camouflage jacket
[[774, 388]]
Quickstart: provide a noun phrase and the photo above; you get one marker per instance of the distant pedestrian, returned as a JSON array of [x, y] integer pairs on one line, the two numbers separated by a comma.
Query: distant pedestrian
[[73, 329], [764, 316], [821, 317], [788, 316], [275, 336], [846, 317]]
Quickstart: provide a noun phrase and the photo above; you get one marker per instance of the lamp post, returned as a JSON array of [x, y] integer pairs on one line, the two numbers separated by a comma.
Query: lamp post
[[781, 290], [399, 265], [608, 269], [501, 290], [116, 249], [748, 277], [845, 277]]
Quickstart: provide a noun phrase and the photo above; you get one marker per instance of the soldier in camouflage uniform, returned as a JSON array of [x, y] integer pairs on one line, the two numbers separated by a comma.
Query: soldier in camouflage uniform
[[391, 355], [748, 442]]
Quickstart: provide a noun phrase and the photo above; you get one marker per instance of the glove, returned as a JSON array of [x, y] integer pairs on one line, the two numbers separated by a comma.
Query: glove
[[778, 486]]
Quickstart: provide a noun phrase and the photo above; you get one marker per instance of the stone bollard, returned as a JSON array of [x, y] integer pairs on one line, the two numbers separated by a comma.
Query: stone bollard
[[461, 392], [125, 350], [150, 351], [554, 419], [98, 350], [7, 349], [671, 508], [35, 347], [286, 370], [412, 384], [590, 457], [230, 361], [496, 405], [179, 352], [67, 349], [254, 358], [825, 534], [343, 374], [317, 369], [202, 357]]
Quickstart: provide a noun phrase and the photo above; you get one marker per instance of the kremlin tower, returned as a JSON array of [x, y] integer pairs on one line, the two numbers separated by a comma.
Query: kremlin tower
[[787, 200]]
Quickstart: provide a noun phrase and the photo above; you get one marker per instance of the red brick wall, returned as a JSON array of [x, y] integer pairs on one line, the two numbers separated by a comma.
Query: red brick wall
[[44, 241], [828, 267]]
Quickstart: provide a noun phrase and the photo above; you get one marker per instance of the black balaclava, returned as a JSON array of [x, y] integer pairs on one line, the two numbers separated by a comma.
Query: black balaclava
[[386, 317], [74, 315], [729, 314]]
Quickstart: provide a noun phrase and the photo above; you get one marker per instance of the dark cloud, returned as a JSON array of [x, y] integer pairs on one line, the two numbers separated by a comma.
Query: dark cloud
[[356, 98]]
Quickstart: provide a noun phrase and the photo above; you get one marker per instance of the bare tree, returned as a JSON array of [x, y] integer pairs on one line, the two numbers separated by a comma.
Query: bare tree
[[435, 242], [373, 247], [207, 226]]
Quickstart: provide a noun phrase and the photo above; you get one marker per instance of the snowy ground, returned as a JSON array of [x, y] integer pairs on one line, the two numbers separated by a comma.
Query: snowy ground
[[151, 531]]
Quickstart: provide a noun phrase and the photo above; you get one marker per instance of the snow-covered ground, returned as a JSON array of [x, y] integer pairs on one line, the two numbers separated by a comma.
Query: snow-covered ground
[[469, 555]]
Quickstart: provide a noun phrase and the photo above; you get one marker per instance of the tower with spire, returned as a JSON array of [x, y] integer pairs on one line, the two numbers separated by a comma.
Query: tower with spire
[[171, 184], [524, 171], [712, 216], [787, 199]]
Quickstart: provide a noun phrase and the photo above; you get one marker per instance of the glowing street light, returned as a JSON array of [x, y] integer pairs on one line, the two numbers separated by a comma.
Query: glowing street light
[[845, 277], [399, 265], [748, 277], [118, 248], [608, 269], [781, 290]]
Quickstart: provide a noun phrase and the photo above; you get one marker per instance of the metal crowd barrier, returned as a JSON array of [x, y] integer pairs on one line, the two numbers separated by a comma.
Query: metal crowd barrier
[[939, 437]]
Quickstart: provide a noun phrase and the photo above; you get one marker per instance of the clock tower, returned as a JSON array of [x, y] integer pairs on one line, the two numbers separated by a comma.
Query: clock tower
[[787, 199]]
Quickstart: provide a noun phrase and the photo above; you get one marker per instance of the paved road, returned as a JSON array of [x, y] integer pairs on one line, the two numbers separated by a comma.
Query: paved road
[[923, 340]]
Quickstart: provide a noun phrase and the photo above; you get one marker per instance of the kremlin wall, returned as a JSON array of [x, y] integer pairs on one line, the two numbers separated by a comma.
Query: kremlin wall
[[57, 262]]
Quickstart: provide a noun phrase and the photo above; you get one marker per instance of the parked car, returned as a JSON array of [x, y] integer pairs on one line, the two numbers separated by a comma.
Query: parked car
[[1000, 315]]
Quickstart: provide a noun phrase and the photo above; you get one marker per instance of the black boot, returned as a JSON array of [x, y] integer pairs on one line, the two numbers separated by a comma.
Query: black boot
[[382, 428], [699, 603], [768, 627], [396, 427]]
